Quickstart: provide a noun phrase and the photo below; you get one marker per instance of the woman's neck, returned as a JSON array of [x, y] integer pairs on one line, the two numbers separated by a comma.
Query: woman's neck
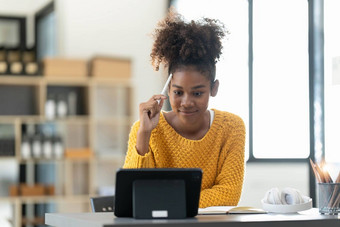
[[193, 131]]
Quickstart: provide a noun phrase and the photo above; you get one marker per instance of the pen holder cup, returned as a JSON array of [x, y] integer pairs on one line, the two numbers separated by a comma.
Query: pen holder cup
[[329, 198]]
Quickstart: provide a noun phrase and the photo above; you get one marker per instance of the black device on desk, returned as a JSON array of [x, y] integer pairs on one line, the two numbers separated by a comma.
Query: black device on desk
[[157, 193]]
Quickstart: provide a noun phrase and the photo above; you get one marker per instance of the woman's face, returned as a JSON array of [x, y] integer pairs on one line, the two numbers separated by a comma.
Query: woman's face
[[189, 95]]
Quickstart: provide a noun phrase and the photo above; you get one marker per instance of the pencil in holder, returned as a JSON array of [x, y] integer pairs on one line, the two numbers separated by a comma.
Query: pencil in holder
[[329, 198]]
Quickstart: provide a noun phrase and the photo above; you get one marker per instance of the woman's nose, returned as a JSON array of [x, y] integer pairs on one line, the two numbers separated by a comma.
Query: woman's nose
[[186, 101]]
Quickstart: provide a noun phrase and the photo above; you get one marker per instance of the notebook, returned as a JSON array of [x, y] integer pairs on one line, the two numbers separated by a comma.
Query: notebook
[[230, 210]]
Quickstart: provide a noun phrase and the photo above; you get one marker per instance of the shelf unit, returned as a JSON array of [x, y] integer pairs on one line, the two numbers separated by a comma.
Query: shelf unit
[[100, 126]]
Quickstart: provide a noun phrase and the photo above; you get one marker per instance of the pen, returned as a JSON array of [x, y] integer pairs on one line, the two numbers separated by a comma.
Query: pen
[[165, 87]]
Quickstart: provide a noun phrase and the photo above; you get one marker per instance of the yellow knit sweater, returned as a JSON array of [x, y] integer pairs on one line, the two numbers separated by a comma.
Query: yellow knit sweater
[[220, 154]]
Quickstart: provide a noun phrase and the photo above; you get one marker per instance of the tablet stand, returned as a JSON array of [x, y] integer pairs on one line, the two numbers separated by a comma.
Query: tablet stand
[[159, 199]]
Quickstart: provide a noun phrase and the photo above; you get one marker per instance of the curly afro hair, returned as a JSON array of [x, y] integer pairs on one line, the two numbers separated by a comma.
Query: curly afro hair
[[181, 44]]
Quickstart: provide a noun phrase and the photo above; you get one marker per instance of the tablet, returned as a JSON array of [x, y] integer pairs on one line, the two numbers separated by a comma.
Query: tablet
[[126, 178]]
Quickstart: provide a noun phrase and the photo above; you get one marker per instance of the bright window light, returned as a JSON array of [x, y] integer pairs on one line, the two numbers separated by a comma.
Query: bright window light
[[280, 70], [332, 80], [280, 79], [232, 70]]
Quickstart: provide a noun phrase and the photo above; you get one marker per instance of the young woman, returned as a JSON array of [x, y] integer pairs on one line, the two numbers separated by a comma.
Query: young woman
[[191, 135]]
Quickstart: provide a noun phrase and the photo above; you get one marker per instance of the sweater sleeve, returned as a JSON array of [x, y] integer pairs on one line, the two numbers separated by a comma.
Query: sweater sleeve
[[132, 158], [228, 184]]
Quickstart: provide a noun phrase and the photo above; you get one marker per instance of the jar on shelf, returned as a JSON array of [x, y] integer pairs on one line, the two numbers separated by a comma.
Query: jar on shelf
[[37, 146], [26, 152], [50, 107], [14, 60], [31, 66], [58, 147], [61, 106], [47, 147]]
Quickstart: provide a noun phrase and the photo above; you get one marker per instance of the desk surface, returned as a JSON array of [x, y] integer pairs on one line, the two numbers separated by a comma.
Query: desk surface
[[308, 218]]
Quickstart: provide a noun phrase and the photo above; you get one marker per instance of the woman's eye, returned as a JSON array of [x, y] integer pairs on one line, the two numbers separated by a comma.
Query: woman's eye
[[198, 93], [177, 92]]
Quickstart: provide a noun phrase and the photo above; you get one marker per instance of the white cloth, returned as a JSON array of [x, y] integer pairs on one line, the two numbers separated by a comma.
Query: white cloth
[[212, 115]]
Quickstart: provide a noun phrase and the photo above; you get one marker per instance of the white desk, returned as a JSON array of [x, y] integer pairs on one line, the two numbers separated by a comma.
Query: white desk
[[310, 218]]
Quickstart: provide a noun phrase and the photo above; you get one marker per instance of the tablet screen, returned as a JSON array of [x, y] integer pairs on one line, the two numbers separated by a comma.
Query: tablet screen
[[125, 179]]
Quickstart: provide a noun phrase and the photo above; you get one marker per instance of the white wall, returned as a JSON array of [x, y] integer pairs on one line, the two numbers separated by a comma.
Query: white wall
[[260, 177], [20, 7], [115, 28]]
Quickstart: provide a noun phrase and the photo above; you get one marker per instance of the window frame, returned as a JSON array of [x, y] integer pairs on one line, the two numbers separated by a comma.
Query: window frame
[[39, 16], [316, 89], [21, 31], [252, 158]]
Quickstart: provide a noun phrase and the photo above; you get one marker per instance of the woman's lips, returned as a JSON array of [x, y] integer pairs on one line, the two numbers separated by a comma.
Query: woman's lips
[[187, 112]]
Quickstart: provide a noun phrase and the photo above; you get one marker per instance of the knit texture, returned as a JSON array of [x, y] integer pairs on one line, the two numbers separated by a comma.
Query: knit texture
[[220, 154]]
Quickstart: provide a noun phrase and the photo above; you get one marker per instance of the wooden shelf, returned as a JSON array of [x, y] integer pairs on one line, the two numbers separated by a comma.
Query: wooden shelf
[[102, 126], [45, 199], [37, 119], [58, 80], [111, 81], [114, 120], [6, 118], [66, 81], [96, 158], [8, 158], [68, 120], [110, 159], [20, 80], [41, 160]]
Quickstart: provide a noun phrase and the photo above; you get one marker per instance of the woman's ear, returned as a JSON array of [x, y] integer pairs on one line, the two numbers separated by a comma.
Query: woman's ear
[[214, 88]]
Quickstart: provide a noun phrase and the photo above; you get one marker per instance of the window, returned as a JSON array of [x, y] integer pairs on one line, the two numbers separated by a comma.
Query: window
[[13, 32], [280, 102], [280, 79], [232, 69], [332, 80], [45, 24]]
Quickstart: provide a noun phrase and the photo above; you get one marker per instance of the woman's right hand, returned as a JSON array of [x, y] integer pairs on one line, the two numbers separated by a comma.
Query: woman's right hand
[[149, 112], [148, 117]]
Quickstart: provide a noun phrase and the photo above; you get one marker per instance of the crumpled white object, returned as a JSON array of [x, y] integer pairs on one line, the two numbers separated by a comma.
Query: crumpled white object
[[288, 200], [287, 196], [273, 196]]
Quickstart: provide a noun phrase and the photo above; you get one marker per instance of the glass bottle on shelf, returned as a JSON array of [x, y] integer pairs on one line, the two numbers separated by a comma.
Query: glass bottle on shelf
[[61, 106], [47, 147], [58, 148], [50, 107], [37, 144], [25, 147]]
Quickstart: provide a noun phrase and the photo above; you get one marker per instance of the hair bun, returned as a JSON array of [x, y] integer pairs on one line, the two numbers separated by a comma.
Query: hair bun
[[178, 42]]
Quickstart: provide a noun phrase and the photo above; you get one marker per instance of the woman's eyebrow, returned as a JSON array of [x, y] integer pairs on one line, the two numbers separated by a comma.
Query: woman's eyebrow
[[193, 88], [197, 87]]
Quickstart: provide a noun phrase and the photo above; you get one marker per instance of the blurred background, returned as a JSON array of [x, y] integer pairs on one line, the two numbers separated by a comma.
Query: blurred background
[[72, 74]]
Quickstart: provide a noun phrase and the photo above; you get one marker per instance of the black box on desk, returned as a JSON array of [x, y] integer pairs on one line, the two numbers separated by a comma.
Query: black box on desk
[[159, 199]]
